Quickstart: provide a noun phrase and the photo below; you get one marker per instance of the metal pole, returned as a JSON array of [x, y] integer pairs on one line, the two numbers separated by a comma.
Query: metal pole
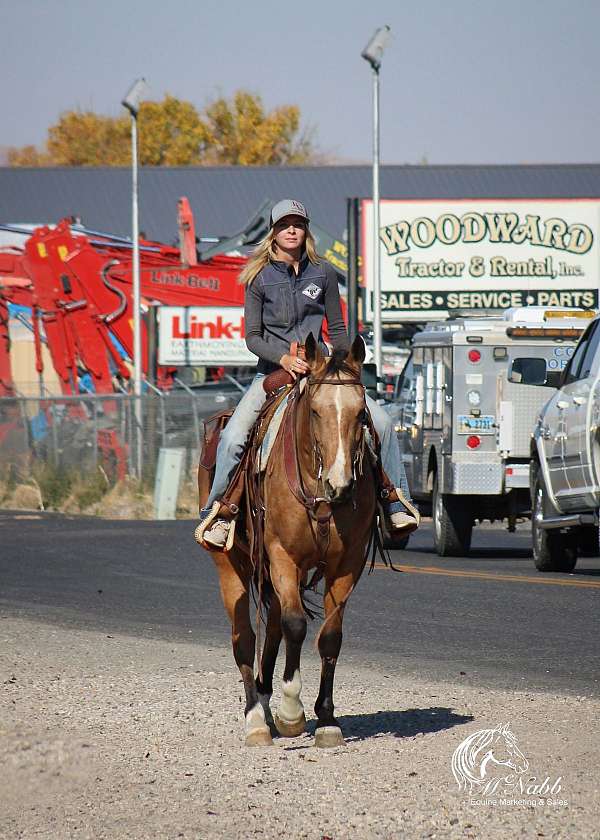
[[352, 227], [376, 243], [137, 332]]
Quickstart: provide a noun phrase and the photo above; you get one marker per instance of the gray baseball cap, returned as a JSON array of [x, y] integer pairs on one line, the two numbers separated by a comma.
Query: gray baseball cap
[[288, 207]]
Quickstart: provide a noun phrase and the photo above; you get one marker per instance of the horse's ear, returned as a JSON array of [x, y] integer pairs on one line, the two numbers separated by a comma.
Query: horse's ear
[[357, 351], [312, 350]]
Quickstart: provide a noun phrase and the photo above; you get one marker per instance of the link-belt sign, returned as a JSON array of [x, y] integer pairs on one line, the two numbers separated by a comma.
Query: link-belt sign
[[202, 335]]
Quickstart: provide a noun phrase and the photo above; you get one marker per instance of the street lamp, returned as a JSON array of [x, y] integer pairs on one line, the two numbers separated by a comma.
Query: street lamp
[[131, 101], [373, 53]]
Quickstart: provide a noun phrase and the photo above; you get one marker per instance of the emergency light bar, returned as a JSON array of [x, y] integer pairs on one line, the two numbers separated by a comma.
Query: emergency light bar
[[540, 314], [566, 313], [541, 332]]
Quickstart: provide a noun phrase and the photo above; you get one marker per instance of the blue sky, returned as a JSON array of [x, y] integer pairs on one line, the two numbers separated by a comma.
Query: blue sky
[[462, 81]]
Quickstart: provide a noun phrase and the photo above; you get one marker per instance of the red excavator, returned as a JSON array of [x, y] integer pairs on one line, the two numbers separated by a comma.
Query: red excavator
[[78, 286]]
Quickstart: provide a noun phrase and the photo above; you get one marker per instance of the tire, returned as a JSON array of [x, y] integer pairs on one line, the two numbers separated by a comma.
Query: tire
[[587, 541], [553, 551], [452, 523]]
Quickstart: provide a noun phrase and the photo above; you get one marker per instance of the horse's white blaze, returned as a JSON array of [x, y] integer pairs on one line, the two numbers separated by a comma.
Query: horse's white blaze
[[255, 719], [337, 476], [290, 707]]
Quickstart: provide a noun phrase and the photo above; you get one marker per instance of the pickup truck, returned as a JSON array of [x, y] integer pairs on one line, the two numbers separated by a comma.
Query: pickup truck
[[565, 462]]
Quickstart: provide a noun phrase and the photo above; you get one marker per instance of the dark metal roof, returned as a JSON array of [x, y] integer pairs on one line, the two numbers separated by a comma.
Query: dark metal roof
[[224, 198]]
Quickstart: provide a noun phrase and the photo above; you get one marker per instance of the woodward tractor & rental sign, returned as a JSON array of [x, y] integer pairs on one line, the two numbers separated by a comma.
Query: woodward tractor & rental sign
[[440, 256]]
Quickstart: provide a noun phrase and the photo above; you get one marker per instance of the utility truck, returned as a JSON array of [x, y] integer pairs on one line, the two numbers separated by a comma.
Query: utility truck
[[465, 427]]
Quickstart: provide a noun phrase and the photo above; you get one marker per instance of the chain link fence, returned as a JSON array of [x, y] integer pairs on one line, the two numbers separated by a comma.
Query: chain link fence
[[86, 435]]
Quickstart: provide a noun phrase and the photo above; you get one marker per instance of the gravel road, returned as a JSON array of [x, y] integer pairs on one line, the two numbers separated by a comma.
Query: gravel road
[[111, 736]]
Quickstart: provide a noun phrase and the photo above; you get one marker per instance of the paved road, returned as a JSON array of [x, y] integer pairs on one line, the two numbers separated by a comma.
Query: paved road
[[489, 619]]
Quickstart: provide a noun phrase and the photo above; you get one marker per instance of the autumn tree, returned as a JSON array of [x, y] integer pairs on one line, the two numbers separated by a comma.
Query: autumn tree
[[240, 132], [174, 133]]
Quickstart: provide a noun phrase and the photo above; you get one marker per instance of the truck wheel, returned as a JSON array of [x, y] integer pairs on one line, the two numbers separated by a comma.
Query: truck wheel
[[452, 523], [553, 551], [587, 540]]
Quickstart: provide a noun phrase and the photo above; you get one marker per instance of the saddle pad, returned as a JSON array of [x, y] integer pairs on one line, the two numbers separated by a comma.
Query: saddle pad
[[270, 435]]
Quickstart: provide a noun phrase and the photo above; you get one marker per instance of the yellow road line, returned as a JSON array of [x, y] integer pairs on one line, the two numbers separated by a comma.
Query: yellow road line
[[435, 570]]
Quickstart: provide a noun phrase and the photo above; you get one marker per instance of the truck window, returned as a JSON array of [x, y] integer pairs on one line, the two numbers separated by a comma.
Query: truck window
[[572, 371], [587, 364]]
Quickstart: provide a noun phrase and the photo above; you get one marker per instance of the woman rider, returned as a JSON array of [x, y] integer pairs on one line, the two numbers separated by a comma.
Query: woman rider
[[288, 293]]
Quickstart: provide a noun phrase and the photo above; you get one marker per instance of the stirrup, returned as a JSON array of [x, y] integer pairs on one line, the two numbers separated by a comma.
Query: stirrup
[[412, 510], [410, 526], [207, 522]]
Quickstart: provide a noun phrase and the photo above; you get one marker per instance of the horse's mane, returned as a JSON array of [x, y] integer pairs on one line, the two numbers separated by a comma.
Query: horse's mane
[[337, 364]]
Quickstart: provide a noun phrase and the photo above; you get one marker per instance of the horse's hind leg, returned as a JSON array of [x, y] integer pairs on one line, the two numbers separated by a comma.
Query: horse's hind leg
[[328, 732], [289, 717], [235, 584], [269, 657]]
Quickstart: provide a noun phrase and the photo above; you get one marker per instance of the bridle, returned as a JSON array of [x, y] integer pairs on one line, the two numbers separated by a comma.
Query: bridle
[[318, 506], [357, 455]]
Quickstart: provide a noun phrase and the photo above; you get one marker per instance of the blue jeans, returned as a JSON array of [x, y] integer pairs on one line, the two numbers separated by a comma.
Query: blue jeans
[[234, 435]]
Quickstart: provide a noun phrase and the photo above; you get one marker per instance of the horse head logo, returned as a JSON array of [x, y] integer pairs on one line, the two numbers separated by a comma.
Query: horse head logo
[[476, 759]]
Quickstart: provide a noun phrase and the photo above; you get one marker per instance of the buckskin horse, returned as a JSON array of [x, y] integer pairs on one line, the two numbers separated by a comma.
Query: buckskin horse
[[319, 504]]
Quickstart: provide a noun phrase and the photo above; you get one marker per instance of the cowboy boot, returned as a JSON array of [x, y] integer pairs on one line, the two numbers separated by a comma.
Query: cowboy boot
[[216, 531]]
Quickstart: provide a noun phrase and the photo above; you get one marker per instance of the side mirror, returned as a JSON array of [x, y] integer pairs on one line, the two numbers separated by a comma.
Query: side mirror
[[528, 371], [369, 376], [554, 378], [372, 382]]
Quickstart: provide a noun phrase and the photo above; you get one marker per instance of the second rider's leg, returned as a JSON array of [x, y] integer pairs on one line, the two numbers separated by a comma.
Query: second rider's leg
[[391, 459]]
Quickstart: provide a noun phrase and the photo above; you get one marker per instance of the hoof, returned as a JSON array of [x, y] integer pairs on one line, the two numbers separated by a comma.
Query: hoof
[[329, 736], [290, 729], [259, 738]]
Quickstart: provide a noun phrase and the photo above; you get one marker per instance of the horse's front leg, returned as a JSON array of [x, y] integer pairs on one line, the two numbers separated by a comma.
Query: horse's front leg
[[235, 583], [337, 590], [289, 718]]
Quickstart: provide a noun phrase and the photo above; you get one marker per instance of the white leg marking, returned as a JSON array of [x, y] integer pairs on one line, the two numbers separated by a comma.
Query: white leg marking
[[337, 474], [258, 733], [290, 708], [255, 719]]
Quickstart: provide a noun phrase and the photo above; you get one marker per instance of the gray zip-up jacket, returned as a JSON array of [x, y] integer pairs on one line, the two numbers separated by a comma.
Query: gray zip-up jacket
[[281, 307]]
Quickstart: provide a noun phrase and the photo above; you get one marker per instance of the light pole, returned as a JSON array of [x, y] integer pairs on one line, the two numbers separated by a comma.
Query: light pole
[[132, 100], [373, 53]]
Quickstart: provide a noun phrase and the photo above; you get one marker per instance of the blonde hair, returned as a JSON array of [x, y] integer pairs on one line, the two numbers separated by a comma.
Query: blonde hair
[[267, 250]]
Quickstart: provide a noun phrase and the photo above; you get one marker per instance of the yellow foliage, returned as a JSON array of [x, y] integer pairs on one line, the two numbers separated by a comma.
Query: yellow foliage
[[82, 138], [28, 156], [242, 133], [174, 133]]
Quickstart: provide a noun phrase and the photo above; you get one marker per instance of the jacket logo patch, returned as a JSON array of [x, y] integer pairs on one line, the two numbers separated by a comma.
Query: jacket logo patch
[[312, 291]]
